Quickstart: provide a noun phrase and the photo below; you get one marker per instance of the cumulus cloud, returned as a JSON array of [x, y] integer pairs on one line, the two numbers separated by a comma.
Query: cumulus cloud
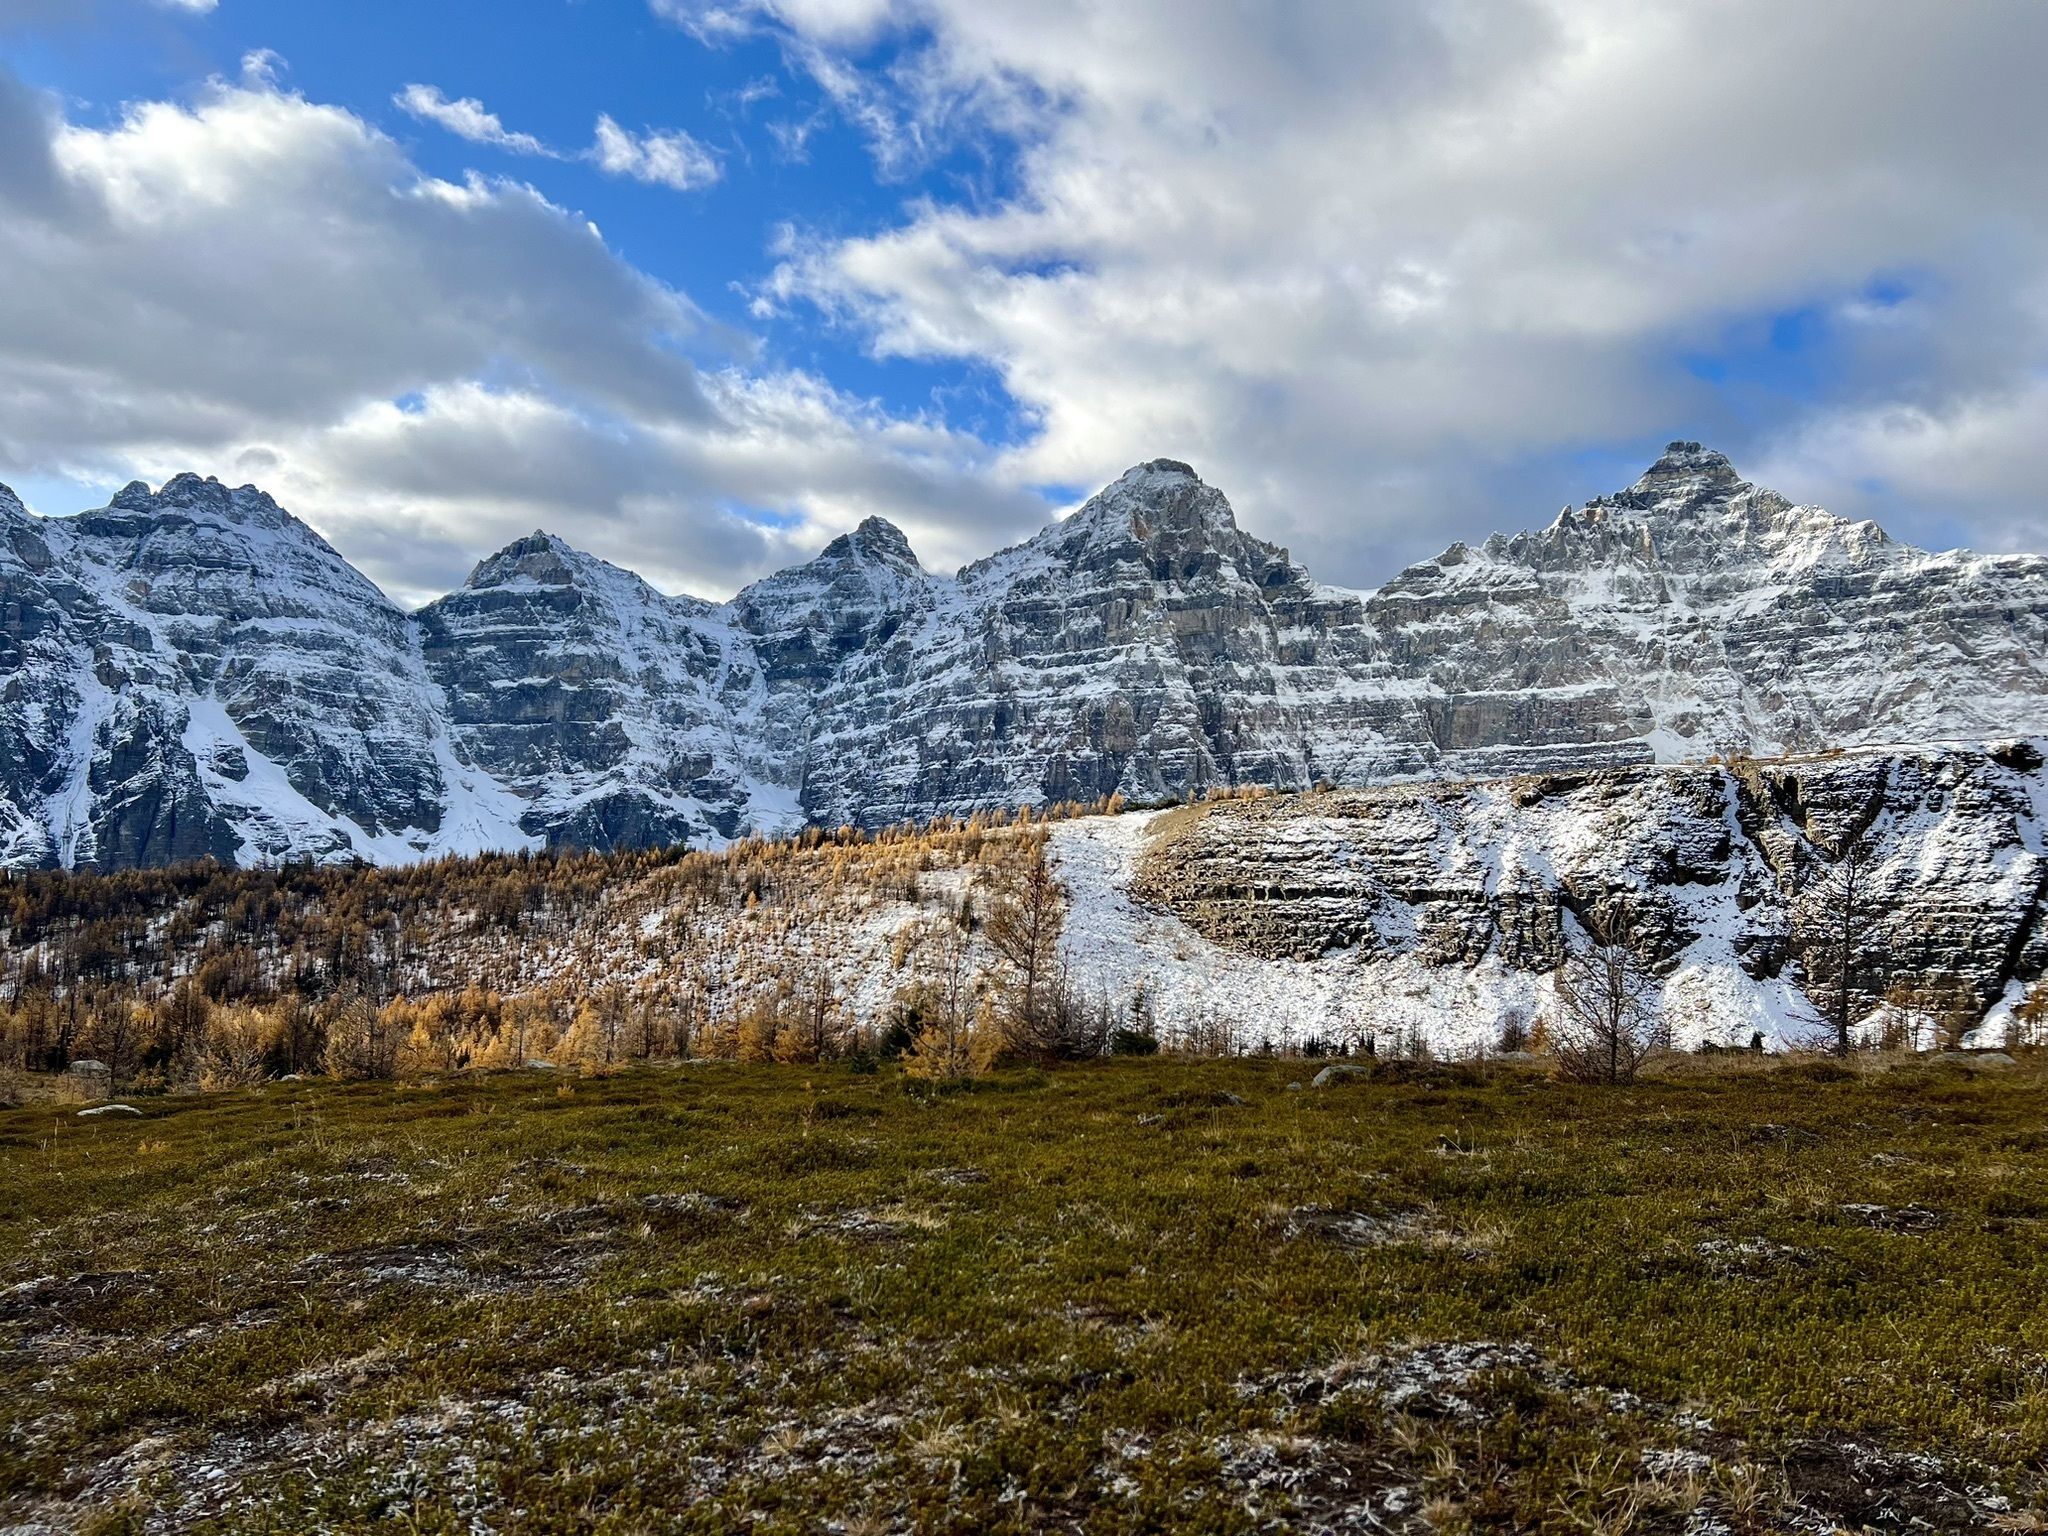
[[266, 288], [465, 118], [670, 159], [1384, 271], [1971, 467]]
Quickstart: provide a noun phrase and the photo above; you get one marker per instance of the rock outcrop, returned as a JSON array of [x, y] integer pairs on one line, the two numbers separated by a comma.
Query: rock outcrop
[[1712, 872]]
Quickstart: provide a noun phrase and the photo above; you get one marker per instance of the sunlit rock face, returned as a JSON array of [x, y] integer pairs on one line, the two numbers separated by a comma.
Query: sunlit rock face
[[192, 672], [1708, 873]]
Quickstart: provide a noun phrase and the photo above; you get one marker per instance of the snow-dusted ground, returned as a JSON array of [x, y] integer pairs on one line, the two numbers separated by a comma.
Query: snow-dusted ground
[[1195, 988], [1118, 946]]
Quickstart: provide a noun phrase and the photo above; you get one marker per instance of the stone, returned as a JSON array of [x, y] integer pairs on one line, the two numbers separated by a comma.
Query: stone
[[1339, 1072], [1975, 1059], [88, 1079]]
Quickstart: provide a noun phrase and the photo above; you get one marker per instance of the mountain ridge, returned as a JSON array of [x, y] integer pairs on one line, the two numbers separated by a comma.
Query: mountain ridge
[[194, 672]]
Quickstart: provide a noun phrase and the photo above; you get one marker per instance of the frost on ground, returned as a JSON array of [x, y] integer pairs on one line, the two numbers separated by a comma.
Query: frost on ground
[[1130, 1296], [1378, 1443], [1142, 958]]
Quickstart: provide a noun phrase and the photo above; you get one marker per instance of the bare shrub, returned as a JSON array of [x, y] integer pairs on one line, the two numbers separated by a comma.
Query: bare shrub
[[938, 1004], [361, 1041], [2030, 1019], [1834, 926], [1023, 928], [1607, 1016]]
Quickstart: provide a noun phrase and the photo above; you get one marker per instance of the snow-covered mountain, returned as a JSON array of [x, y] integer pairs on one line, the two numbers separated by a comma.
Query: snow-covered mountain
[[194, 672], [1695, 613], [612, 712]]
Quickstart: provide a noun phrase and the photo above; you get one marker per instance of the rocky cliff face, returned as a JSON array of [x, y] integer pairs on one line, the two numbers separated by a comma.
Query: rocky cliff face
[[193, 672], [1711, 872], [609, 710]]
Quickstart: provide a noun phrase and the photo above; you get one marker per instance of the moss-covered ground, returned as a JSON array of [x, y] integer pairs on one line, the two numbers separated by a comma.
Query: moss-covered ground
[[1147, 1295]]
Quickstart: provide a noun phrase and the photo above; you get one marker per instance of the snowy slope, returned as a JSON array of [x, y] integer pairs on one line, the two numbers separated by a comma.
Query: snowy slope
[[1435, 910]]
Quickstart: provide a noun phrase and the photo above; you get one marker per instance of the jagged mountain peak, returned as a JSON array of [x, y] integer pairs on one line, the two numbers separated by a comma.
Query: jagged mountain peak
[[544, 559], [1687, 479], [1158, 503], [203, 550], [546, 565], [22, 544], [849, 590], [877, 541], [201, 497], [539, 556], [1686, 471], [1689, 511]]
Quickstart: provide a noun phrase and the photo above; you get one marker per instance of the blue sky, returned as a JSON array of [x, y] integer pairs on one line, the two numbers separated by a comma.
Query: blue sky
[[1389, 276]]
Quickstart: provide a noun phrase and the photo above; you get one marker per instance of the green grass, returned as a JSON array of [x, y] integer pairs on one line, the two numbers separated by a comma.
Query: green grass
[[1104, 1298]]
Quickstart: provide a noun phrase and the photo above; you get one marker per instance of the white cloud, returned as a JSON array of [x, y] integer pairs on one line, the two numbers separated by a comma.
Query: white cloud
[[839, 22], [659, 157], [465, 118], [247, 285], [668, 159], [194, 7], [1976, 464], [1367, 265]]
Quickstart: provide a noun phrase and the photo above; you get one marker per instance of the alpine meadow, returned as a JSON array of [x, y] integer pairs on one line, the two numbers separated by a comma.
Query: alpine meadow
[[657, 875]]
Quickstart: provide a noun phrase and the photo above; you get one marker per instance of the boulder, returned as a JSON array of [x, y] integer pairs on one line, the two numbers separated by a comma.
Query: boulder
[[1339, 1072], [88, 1079]]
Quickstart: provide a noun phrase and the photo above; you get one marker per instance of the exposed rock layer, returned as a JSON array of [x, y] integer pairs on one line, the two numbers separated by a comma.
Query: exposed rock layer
[[1704, 868], [193, 672]]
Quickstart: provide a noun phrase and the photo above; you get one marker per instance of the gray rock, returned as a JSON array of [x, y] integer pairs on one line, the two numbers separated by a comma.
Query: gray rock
[[108, 1109], [1461, 872], [1339, 1072], [1975, 1059]]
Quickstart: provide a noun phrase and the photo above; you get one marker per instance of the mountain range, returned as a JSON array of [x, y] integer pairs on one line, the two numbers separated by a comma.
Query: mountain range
[[193, 672]]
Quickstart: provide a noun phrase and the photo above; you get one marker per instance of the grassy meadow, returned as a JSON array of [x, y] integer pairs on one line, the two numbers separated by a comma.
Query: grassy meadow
[[1136, 1296]]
